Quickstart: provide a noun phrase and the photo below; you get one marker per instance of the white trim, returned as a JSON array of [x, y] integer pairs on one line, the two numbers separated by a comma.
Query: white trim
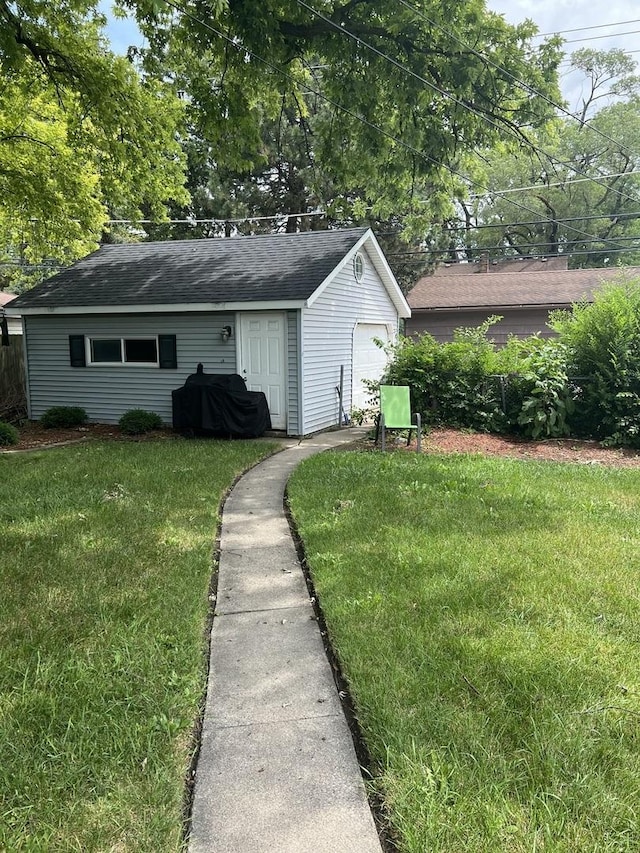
[[169, 308], [244, 317], [123, 362], [25, 355], [382, 268], [359, 266]]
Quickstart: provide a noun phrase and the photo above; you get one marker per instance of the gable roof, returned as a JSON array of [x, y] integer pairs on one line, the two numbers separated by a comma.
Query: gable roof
[[286, 269], [528, 289]]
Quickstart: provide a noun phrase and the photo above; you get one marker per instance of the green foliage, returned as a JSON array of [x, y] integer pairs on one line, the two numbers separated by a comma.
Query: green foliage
[[82, 136], [571, 207], [548, 395], [451, 383], [61, 417], [603, 339], [8, 434], [138, 421], [292, 104]]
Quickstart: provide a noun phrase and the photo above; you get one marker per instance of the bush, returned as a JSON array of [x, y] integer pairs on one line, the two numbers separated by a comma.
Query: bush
[[453, 383], [138, 421], [603, 340], [8, 434], [547, 394], [62, 417]]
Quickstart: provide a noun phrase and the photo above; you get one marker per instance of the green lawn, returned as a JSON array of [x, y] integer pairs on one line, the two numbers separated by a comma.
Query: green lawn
[[487, 615], [105, 560]]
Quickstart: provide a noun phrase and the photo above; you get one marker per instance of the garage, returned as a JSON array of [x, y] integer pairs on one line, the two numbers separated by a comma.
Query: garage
[[369, 360]]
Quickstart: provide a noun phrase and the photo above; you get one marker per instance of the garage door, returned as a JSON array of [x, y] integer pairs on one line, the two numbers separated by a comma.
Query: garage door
[[369, 361]]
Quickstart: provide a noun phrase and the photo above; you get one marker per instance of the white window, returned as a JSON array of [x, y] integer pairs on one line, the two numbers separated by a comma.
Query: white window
[[358, 266], [141, 351]]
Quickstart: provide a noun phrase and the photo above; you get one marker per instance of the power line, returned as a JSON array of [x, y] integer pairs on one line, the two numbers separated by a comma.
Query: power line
[[564, 183], [518, 247], [515, 79], [215, 221], [596, 38], [570, 254], [617, 216], [237, 44], [340, 28], [582, 29]]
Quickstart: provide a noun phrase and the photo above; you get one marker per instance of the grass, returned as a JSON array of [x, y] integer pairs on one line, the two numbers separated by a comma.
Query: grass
[[487, 616], [105, 564]]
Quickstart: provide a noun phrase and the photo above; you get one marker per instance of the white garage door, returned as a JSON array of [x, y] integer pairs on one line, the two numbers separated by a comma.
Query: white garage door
[[369, 361]]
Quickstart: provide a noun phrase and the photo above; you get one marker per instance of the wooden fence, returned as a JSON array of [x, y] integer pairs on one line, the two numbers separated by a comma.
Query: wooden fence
[[13, 398]]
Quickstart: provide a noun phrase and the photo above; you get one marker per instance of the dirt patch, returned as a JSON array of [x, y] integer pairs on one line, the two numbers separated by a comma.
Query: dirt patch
[[556, 450], [33, 435]]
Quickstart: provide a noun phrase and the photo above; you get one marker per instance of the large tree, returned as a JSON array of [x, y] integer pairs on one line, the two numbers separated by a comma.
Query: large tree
[[406, 97], [581, 182], [82, 136]]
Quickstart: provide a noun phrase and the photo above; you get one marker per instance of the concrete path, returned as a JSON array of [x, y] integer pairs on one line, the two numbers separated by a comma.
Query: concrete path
[[277, 770]]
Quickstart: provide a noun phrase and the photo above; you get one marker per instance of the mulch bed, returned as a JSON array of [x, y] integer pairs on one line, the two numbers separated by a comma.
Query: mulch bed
[[34, 436], [555, 450]]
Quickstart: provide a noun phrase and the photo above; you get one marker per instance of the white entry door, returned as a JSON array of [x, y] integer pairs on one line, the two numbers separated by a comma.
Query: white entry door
[[262, 360]]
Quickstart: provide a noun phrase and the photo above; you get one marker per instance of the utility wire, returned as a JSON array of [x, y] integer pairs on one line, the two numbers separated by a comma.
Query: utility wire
[[237, 44], [596, 38], [214, 221], [502, 246], [570, 254], [515, 79], [582, 29], [618, 216], [340, 28], [570, 181]]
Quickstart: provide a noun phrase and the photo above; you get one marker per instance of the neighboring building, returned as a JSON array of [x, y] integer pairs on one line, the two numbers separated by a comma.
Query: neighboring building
[[123, 327], [12, 373], [522, 292], [14, 324]]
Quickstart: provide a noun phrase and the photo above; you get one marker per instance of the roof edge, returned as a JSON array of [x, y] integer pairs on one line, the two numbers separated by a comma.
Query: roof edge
[[382, 268]]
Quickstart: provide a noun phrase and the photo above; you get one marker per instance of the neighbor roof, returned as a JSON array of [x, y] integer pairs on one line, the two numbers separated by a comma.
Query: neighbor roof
[[281, 267], [517, 289]]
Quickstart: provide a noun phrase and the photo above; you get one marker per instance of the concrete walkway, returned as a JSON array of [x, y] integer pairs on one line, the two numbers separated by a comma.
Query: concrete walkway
[[277, 770]]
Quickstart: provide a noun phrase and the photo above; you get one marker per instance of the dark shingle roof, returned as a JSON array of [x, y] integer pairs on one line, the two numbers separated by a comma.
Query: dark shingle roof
[[502, 290], [238, 269]]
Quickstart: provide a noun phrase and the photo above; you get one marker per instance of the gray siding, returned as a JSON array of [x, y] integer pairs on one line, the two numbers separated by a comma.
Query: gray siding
[[293, 373], [327, 330], [518, 322], [107, 392]]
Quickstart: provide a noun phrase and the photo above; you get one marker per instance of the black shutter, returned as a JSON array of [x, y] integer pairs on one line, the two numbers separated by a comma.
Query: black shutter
[[77, 355], [167, 355]]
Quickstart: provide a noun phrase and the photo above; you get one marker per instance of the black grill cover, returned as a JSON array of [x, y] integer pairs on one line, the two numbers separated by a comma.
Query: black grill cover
[[219, 405]]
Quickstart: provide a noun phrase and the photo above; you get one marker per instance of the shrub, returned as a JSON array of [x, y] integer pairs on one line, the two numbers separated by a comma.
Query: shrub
[[548, 395], [8, 434], [61, 417], [138, 421], [453, 383], [603, 340]]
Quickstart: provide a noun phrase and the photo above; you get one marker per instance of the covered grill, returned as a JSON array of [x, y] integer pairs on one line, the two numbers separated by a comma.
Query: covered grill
[[219, 405]]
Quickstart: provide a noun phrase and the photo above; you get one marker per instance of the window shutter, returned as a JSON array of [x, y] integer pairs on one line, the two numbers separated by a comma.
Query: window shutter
[[77, 354], [167, 355]]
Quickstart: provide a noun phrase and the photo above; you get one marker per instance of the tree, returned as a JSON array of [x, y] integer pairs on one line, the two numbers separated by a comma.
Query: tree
[[82, 137], [582, 195], [404, 98]]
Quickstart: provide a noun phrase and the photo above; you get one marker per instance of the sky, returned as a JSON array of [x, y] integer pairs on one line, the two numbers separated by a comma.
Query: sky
[[622, 17]]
